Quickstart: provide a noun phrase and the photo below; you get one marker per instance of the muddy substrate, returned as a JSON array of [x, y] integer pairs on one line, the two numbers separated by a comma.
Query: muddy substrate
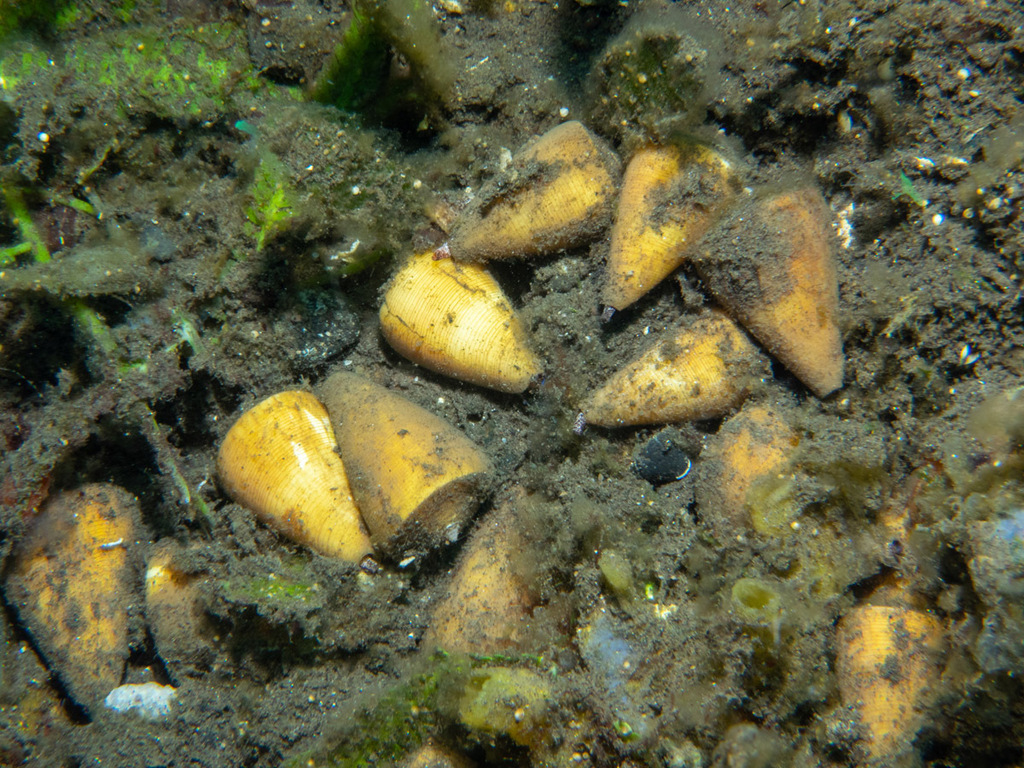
[[211, 296]]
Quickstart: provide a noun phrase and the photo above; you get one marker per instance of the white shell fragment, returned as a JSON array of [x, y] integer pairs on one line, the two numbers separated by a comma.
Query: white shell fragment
[[150, 700]]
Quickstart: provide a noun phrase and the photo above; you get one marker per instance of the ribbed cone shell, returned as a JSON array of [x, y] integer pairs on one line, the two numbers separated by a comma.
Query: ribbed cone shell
[[487, 605], [454, 318], [72, 584], [280, 460], [557, 193], [670, 197], [416, 478], [887, 657], [754, 445], [770, 264], [702, 371]]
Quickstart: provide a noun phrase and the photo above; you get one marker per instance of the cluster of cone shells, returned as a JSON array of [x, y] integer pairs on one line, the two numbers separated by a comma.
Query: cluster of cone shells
[[767, 261], [357, 470], [888, 647]]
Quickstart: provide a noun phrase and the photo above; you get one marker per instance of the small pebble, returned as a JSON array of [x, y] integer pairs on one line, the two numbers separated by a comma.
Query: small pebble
[[151, 701]]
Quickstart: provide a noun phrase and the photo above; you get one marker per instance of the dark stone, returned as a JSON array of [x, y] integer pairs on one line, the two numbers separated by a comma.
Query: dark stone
[[664, 458], [327, 327]]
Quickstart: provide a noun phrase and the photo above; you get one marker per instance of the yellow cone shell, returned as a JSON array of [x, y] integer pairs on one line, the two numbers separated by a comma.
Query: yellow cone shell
[[703, 371], [887, 657], [280, 460], [557, 193], [487, 605], [454, 318], [72, 584], [416, 478], [770, 265], [670, 197], [747, 471]]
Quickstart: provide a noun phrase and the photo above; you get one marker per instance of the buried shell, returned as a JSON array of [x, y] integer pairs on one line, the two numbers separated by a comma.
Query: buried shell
[[887, 659], [280, 460], [557, 193], [703, 371], [72, 584], [454, 319], [416, 478], [745, 482], [433, 754], [670, 197], [486, 608], [174, 611], [770, 265]]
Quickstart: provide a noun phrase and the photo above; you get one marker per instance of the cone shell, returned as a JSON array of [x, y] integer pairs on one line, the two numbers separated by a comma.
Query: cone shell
[[488, 603], [670, 197], [72, 584], [416, 478], [557, 193], [454, 318], [887, 658], [702, 371], [280, 460], [770, 264], [749, 458]]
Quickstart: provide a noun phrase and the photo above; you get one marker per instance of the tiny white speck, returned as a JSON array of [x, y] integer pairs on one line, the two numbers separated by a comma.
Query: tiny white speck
[[563, 112], [43, 137], [937, 219], [963, 73], [355, 189]]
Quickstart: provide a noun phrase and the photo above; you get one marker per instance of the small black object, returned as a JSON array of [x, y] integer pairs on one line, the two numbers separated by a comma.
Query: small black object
[[662, 459]]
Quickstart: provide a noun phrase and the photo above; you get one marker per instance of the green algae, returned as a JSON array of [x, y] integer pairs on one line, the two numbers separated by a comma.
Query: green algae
[[32, 241], [203, 71], [273, 205]]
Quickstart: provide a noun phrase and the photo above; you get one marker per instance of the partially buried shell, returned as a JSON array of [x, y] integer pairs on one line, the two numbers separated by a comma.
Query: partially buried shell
[[486, 609], [174, 611], [280, 460], [454, 319], [72, 583], [701, 371], [557, 193], [746, 479], [770, 265], [416, 478], [670, 197], [887, 659]]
